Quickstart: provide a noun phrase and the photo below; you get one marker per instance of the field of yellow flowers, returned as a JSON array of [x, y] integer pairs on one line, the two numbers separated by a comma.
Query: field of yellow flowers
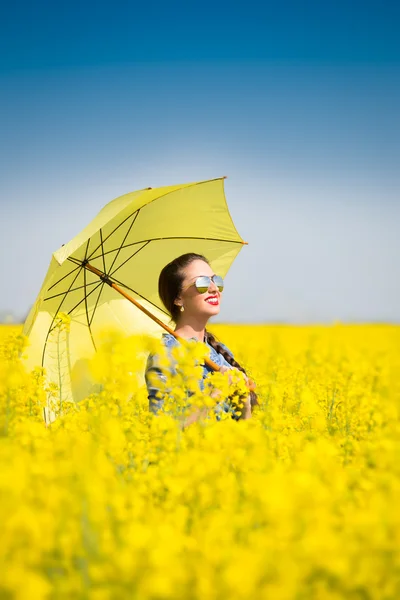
[[302, 501]]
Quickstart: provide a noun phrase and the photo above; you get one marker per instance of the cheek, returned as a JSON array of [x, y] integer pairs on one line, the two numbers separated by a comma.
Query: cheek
[[196, 301]]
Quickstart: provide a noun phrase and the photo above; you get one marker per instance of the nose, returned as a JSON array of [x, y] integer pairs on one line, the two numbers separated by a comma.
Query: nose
[[212, 288]]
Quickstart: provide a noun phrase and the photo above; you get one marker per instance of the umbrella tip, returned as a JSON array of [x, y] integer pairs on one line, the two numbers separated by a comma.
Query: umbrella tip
[[245, 243], [224, 176], [149, 188]]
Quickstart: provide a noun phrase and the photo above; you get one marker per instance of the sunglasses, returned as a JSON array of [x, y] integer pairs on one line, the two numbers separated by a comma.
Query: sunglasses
[[203, 282]]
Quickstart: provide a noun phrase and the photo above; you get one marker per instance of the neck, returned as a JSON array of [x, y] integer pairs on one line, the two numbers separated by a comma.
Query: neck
[[193, 327]]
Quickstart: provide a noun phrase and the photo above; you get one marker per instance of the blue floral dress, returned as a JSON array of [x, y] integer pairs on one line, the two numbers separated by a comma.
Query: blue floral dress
[[156, 376]]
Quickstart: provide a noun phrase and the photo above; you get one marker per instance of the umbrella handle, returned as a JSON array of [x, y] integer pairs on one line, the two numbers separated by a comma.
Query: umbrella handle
[[213, 365]]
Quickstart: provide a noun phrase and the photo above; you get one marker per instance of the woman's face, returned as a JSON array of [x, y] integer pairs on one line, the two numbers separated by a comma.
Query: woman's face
[[194, 303]]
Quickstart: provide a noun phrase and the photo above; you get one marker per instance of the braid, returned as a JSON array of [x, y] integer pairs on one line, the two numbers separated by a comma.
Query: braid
[[214, 343]]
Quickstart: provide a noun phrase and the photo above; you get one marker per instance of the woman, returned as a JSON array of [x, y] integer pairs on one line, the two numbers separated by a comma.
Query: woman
[[191, 293]]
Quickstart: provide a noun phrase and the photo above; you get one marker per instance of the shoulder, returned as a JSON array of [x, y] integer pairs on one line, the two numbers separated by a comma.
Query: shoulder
[[168, 340], [161, 350], [160, 364]]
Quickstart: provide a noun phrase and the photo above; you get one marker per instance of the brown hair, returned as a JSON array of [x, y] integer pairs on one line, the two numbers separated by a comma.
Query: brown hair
[[169, 288]]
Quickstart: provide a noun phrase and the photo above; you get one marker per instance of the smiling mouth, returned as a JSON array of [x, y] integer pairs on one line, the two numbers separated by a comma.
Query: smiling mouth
[[212, 300]]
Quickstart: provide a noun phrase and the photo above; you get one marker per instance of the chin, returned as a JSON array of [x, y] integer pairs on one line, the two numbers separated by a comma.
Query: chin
[[214, 310]]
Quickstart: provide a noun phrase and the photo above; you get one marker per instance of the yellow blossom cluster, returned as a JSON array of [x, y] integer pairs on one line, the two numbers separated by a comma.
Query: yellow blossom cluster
[[300, 502]]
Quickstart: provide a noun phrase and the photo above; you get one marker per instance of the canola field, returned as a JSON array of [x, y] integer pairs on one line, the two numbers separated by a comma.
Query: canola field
[[300, 502]]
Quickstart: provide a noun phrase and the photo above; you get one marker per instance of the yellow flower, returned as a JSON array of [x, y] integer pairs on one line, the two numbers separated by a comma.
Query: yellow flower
[[300, 501]]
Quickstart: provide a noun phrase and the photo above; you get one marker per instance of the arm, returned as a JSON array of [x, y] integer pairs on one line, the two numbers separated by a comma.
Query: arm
[[199, 414], [157, 376], [246, 410]]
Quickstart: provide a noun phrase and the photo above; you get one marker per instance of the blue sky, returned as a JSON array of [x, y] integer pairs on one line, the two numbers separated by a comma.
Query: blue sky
[[48, 34], [296, 103]]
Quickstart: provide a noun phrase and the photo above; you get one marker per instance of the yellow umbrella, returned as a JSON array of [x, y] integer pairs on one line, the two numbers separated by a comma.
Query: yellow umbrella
[[124, 247]]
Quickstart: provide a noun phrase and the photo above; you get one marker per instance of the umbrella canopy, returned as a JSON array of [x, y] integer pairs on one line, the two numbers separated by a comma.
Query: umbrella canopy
[[130, 241]]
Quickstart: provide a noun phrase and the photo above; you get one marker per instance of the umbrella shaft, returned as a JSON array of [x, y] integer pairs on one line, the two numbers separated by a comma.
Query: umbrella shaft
[[121, 291]]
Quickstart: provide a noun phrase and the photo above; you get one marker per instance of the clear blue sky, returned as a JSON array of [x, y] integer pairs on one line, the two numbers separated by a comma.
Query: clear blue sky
[[298, 103]]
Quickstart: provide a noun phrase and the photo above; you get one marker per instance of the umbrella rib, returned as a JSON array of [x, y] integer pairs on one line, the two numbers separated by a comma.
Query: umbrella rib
[[129, 258], [81, 287], [123, 241], [113, 231], [116, 249], [102, 251], [137, 293], [86, 309], [97, 301], [167, 238], [60, 280], [86, 296], [145, 242], [193, 237], [154, 200], [104, 270], [55, 315], [137, 210], [75, 261], [110, 275]]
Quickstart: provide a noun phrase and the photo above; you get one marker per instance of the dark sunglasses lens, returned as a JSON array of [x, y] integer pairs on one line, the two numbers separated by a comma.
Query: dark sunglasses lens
[[219, 282], [202, 284]]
